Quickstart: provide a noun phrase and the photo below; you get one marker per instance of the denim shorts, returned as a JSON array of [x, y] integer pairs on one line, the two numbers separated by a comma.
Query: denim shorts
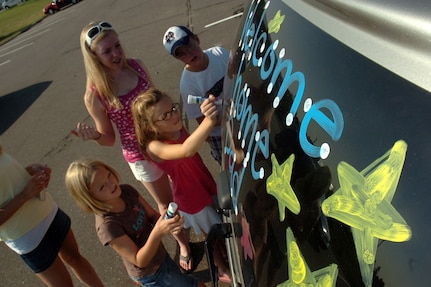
[[46, 252], [168, 275]]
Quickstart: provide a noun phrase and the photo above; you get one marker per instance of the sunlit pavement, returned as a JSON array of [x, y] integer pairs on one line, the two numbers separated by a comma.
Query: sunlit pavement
[[40, 104]]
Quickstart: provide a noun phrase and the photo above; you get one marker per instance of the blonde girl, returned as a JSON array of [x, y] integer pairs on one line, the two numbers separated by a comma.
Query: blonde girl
[[164, 141], [127, 222], [113, 82]]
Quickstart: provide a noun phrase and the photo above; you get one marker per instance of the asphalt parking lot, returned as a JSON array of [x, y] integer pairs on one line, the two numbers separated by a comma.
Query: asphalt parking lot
[[41, 87]]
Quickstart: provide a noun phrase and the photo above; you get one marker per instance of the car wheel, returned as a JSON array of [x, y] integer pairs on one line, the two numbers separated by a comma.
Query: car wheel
[[75, 1], [51, 11]]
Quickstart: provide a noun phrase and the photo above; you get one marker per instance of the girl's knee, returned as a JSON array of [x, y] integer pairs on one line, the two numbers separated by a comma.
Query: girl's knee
[[73, 259]]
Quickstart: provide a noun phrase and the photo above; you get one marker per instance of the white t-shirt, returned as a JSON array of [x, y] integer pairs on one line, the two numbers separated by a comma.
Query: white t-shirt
[[199, 83]]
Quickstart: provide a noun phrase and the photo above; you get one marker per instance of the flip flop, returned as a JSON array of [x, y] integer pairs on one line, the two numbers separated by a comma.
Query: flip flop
[[186, 259]]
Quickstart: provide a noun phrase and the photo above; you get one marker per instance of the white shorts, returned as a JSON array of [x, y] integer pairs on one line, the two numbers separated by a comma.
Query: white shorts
[[201, 221], [145, 171]]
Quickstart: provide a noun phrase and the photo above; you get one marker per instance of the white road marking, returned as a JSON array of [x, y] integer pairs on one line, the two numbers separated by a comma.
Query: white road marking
[[23, 40], [4, 63], [17, 49], [223, 20]]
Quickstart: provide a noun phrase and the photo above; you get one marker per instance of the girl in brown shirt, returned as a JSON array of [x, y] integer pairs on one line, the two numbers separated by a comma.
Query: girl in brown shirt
[[128, 223]]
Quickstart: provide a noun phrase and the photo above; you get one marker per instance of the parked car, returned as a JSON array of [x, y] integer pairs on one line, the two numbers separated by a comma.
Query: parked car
[[7, 4], [57, 5], [326, 170]]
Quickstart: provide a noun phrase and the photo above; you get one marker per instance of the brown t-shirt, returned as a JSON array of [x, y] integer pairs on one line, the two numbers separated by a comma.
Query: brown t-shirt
[[133, 222]]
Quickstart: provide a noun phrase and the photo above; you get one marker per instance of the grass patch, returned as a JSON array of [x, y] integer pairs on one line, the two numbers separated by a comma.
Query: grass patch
[[20, 18]]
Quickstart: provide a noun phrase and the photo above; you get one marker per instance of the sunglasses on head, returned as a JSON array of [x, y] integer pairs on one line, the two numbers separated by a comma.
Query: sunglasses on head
[[94, 31]]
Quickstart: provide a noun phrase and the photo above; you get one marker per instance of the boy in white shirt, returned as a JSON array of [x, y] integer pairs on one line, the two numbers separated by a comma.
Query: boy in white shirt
[[202, 76]]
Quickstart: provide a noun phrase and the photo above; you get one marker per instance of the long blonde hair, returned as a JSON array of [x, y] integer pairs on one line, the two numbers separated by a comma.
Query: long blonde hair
[[79, 177], [98, 78], [143, 112]]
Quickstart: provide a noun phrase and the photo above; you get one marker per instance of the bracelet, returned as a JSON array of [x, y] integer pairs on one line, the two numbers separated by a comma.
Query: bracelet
[[96, 139]]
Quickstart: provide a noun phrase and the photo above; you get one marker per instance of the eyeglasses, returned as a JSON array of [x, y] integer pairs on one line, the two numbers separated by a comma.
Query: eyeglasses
[[166, 116], [94, 31]]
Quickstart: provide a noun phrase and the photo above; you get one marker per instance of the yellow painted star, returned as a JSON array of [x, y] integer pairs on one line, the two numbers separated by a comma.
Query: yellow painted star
[[278, 185], [363, 202], [299, 272], [275, 24]]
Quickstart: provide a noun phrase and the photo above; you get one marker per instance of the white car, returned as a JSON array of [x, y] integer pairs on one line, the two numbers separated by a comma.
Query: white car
[[11, 3]]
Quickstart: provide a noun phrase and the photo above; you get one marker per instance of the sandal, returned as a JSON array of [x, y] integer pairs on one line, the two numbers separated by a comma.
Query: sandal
[[187, 259]]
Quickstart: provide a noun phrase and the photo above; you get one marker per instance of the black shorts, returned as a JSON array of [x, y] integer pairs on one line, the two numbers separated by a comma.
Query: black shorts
[[46, 252]]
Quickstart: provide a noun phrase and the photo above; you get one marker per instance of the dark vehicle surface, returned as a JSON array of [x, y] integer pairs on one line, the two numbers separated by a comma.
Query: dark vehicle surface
[[57, 5], [326, 172]]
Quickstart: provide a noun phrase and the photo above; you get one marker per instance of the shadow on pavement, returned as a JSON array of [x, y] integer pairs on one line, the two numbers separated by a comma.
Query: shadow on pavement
[[13, 105]]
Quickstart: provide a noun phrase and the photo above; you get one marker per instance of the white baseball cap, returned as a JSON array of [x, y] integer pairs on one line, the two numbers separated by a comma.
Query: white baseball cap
[[176, 36]]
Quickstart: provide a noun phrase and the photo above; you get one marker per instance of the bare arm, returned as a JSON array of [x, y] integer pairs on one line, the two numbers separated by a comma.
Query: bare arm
[[104, 132], [141, 257], [39, 181], [161, 151]]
